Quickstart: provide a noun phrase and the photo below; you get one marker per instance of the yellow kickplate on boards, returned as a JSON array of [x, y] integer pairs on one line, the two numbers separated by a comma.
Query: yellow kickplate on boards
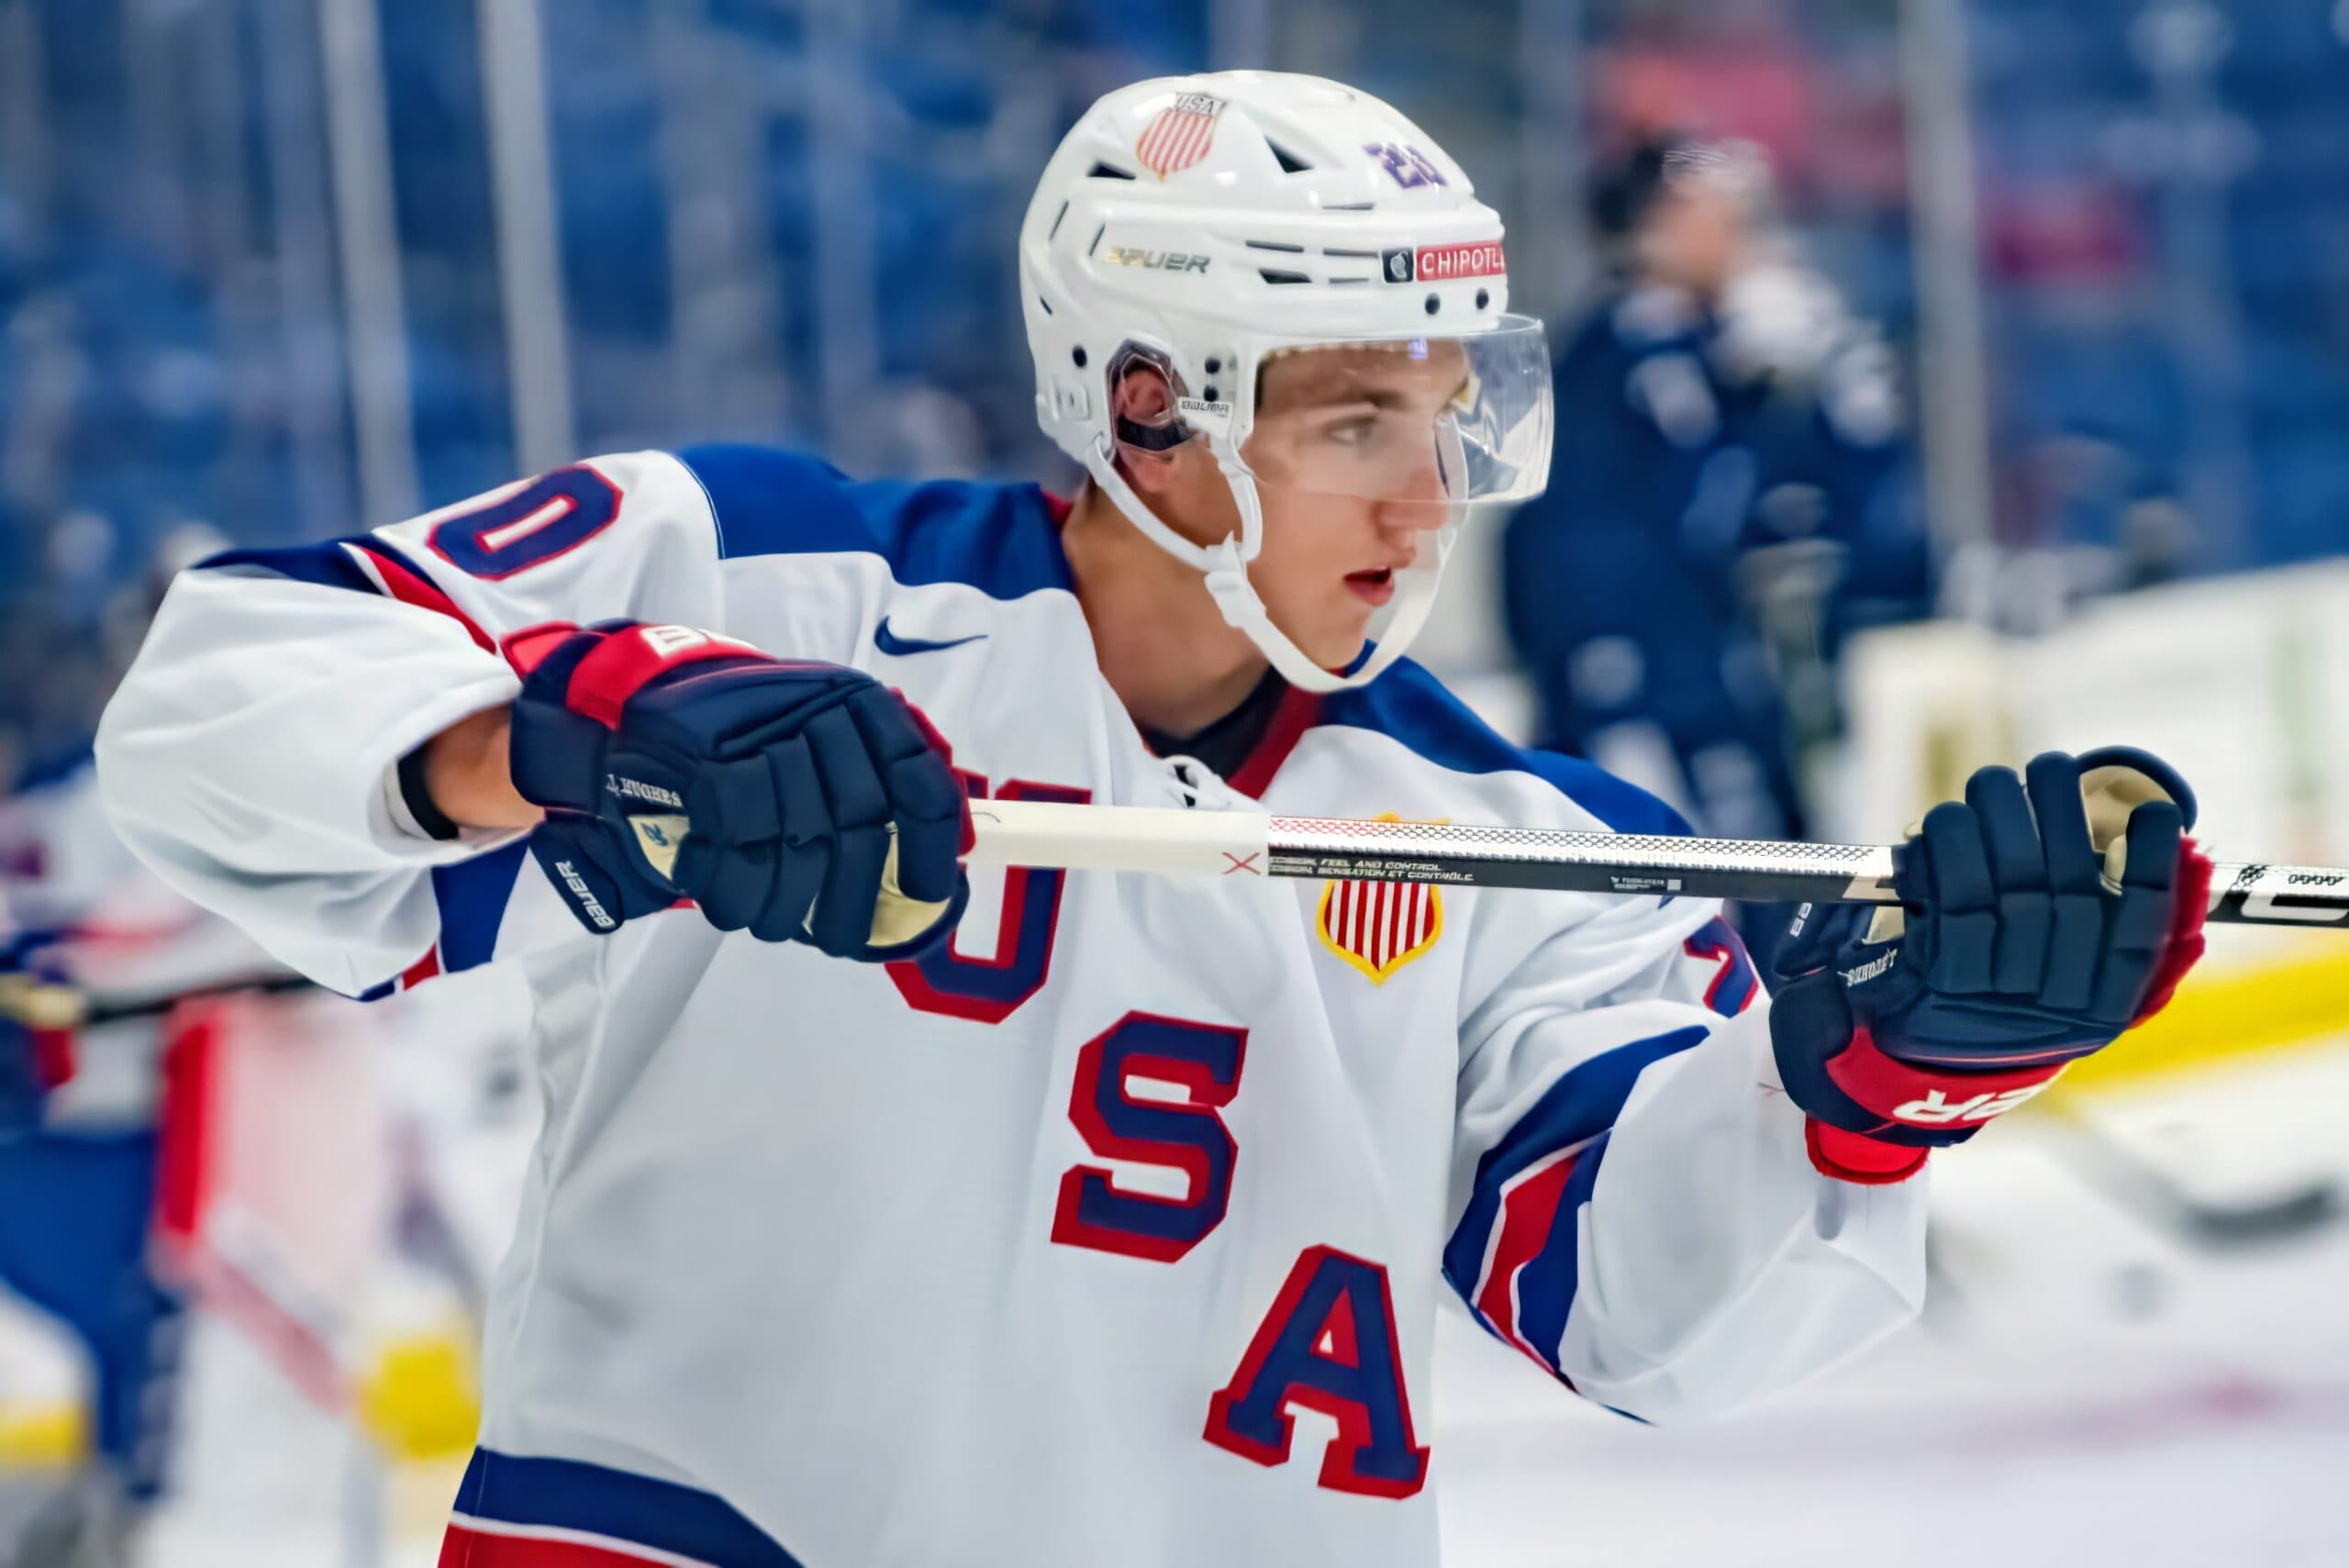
[[2231, 1013]]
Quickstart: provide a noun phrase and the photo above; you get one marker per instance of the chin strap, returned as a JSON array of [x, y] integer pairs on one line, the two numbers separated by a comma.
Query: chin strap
[[1225, 567], [1103, 467], [1235, 595]]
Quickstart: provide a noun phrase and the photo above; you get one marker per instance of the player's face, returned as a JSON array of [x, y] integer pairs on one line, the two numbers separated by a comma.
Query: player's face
[[1695, 236], [1346, 457]]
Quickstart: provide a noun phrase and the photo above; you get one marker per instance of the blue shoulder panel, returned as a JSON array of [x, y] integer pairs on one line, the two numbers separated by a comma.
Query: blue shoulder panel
[[997, 537], [324, 563], [1413, 706]]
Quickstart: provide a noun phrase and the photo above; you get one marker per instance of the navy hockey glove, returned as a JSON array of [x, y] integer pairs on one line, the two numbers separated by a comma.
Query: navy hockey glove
[[2037, 921], [797, 801]]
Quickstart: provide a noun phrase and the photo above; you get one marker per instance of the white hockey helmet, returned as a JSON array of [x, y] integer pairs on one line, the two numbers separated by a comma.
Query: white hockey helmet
[[1210, 223]]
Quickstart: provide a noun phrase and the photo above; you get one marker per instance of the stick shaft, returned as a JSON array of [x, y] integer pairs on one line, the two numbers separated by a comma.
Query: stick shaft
[[1249, 843], [1229, 843]]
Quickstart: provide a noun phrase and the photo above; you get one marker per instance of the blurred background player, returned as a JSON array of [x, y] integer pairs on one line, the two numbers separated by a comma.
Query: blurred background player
[[80, 1155], [112, 1177], [80, 1146], [1723, 503]]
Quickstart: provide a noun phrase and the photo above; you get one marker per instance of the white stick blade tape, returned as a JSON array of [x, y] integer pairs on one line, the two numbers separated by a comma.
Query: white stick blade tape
[[1129, 838]]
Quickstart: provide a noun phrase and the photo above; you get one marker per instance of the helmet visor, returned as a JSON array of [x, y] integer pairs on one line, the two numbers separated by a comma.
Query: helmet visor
[[1435, 420]]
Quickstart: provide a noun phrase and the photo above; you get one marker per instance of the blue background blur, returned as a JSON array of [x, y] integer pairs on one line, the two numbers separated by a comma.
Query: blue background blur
[[793, 222]]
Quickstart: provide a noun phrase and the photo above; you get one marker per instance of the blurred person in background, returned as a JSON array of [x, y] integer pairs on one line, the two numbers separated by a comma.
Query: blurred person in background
[[81, 1143], [1721, 506], [99, 1203], [82, 1155], [81, 1111]]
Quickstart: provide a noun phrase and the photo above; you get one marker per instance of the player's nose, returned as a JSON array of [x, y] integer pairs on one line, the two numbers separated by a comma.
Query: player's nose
[[1400, 522], [1415, 495]]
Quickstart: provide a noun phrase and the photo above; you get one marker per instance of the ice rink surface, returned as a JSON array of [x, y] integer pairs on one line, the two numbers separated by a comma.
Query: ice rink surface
[[2086, 1386]]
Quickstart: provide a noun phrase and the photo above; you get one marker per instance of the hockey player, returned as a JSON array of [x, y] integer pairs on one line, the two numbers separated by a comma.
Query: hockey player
[[885, 1215], [80, 1146], [1721, 506]]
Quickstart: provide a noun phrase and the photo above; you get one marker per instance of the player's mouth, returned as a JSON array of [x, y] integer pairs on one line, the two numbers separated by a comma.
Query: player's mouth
[[1376, 587]]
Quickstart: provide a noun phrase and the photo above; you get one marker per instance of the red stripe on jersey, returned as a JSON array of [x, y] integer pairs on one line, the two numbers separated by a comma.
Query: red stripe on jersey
[[422, 970], [409, 587], [1298, 712], [1528, 1210], [466, 1545]]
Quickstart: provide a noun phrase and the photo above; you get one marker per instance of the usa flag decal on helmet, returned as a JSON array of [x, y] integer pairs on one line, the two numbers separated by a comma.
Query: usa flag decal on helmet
[[1181, 134], [1379, 927]]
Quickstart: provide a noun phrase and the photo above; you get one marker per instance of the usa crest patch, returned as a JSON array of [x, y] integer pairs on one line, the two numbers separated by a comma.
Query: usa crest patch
[[1379, 927], [1181, 135]]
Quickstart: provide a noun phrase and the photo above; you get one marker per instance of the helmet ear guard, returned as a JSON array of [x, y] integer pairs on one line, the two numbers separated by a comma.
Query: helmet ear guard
[[1157, 433]]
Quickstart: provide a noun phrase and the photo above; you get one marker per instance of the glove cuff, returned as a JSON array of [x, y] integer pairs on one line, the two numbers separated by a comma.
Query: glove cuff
[[1904, 1098], [631, 655], [576, 682], [1833, 1068], [1854, 1156], [554, 756]]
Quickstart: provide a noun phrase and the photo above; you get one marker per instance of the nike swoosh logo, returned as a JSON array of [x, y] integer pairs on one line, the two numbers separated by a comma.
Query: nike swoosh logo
[[888, 641]]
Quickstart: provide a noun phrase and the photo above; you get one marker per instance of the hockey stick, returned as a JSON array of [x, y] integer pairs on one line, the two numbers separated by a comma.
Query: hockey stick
[[47, 1004], [1228, 843], [29, 998], [2206, 1225]]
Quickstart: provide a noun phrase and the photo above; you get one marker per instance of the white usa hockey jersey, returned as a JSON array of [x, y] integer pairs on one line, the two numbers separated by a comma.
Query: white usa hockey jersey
[[1110, 1233]]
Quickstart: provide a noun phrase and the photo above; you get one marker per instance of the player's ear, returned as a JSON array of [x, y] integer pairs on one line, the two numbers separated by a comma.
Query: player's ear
[[1147, 428]]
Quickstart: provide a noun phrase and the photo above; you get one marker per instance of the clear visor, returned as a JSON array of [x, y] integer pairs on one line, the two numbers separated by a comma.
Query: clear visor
[[1436, 420]]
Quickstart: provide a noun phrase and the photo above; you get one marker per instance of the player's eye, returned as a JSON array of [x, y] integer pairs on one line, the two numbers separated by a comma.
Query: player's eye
[[1355, 434]]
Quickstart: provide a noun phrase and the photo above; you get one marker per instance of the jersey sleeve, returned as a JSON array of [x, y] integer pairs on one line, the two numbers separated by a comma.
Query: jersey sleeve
[[250, 754], [1635, 1206]]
